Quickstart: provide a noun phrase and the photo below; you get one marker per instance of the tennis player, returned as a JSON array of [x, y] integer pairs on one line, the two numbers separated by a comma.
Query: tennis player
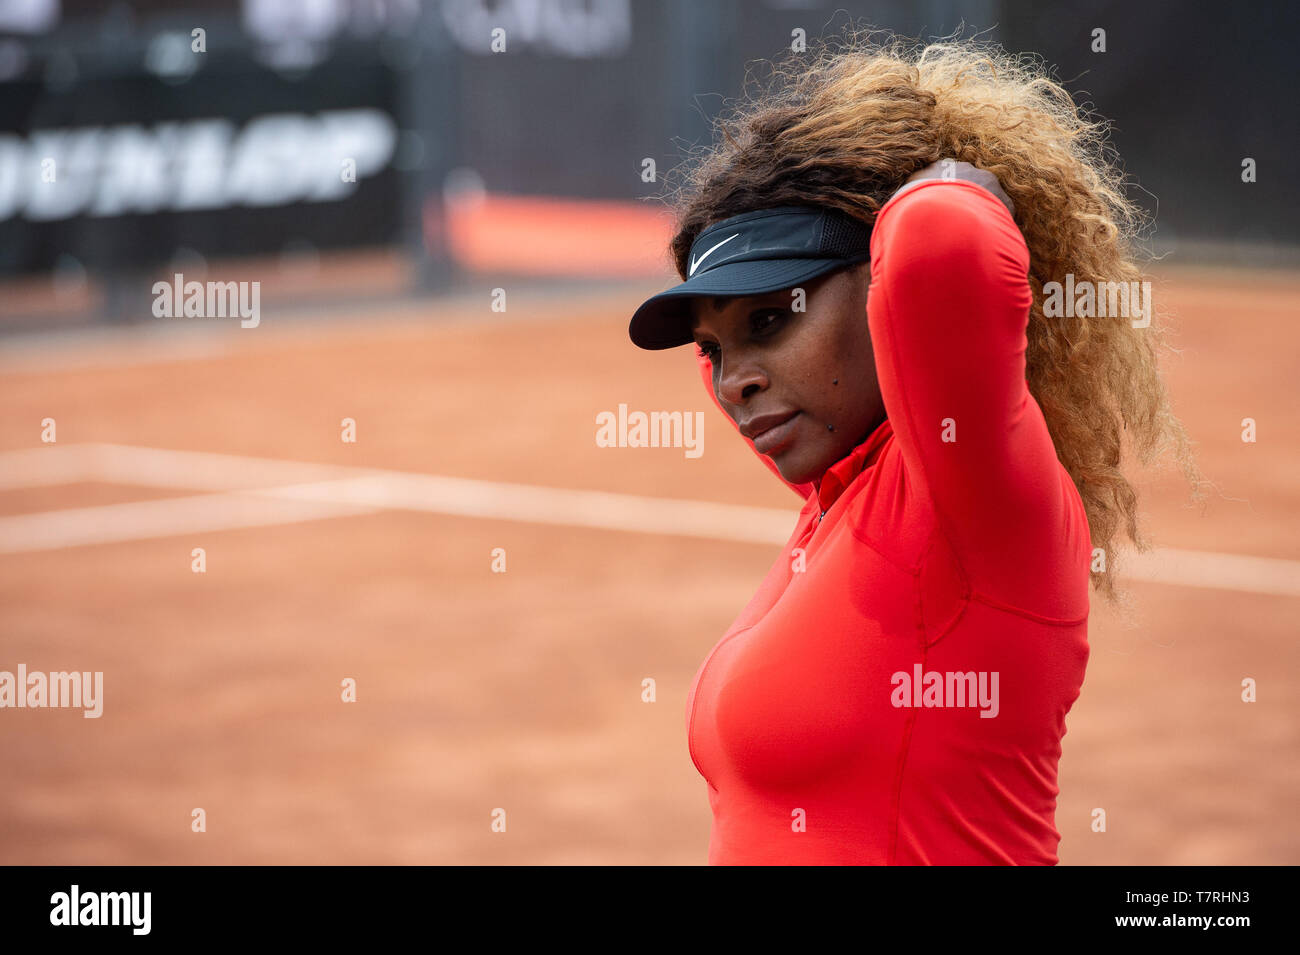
[[863, 258]]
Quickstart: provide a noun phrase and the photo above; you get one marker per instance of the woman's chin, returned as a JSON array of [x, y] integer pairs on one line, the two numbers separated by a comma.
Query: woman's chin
[[794, 468]]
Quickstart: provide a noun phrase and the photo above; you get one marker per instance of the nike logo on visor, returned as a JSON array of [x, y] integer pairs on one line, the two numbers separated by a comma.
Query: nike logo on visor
[[696, 262]]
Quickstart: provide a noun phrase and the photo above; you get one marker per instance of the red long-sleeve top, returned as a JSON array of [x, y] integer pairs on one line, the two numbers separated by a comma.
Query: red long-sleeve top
[[953, 541]]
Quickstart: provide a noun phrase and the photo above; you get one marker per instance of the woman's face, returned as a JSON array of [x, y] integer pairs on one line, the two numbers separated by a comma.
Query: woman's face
[[770, 360]]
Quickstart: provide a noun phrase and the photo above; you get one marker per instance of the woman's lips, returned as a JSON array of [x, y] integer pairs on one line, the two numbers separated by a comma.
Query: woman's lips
[[777, 438]]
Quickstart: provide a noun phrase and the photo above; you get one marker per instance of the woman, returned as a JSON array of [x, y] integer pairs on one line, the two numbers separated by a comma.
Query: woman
[[864, 256]]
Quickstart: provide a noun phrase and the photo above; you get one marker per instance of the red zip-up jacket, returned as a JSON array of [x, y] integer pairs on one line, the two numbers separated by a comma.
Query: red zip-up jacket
[[952, 542]]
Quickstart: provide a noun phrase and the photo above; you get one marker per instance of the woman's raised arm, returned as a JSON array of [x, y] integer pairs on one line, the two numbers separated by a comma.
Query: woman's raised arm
[[948, 307]]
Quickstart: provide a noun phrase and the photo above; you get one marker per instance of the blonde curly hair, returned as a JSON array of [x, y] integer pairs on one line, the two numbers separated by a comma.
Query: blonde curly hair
[[845, 124]]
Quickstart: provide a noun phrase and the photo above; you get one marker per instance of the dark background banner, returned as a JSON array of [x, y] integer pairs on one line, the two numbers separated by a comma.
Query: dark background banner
[[584, 94]]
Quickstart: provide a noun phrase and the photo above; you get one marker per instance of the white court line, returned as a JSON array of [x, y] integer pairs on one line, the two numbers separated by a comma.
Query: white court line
[[525, 503], [1199, 568], [170, 517], [46, 466], [274, 492], [155, 467]]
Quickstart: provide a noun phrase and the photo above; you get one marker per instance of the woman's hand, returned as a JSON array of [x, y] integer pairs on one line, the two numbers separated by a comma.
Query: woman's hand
[[952, 169]]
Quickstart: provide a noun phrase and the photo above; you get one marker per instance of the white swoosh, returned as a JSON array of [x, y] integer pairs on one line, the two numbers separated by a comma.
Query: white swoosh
[[695, 263]]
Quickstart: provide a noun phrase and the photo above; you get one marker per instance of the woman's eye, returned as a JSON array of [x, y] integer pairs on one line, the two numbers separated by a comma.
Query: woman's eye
[[766, 321], [761, 323]]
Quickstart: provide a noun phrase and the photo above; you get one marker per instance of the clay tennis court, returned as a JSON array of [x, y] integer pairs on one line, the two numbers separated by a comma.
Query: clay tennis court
[[522, 690]]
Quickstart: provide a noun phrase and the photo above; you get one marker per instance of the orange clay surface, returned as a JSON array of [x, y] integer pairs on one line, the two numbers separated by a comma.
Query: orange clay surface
[[523, 690]]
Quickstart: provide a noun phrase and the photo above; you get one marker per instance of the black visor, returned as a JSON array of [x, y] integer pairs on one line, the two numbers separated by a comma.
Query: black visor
[[752, 254]]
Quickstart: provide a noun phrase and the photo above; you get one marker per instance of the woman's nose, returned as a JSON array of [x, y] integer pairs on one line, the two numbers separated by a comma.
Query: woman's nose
[[740, 379]]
